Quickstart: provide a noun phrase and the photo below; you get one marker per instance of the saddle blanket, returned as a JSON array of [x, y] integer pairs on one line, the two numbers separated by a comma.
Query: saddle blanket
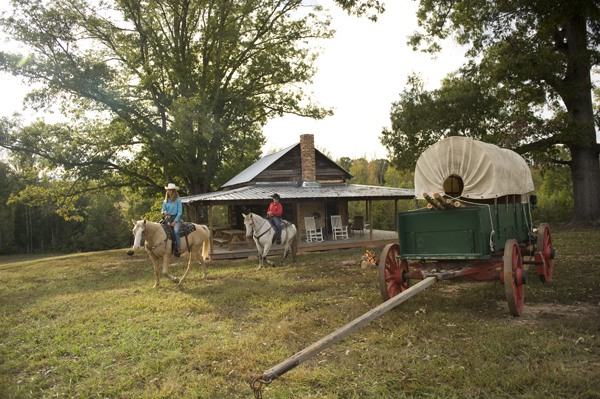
[[284, 223], [185, 227]]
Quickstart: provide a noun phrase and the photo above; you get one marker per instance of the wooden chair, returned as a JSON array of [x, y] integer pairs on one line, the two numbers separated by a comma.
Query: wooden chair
[[337, 228], [358, 225], [312, 232]]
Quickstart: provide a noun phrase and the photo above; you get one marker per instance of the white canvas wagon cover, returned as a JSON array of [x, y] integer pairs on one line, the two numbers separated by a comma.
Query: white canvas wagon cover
[[486, 170]]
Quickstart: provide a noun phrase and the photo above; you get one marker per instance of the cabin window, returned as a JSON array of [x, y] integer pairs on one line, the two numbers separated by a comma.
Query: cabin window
[[453, 186]]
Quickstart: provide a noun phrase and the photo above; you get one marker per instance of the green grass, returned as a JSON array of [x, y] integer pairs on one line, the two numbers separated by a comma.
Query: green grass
[[91, 325]]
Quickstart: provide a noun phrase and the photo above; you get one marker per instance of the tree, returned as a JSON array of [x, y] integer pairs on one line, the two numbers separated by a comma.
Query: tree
[[344, 162], [527, 87], [370, 8], [178, 90]]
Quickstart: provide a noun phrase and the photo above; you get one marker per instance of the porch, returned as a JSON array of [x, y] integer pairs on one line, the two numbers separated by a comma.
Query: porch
[[380, 238]]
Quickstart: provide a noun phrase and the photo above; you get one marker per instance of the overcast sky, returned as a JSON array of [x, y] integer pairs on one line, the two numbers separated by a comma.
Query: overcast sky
[[361, 72]]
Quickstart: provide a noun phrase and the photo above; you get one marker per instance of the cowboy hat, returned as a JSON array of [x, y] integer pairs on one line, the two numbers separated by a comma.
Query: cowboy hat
[[171, 186]]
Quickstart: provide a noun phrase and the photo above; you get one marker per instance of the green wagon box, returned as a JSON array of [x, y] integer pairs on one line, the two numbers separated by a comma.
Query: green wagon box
[[474, 232]]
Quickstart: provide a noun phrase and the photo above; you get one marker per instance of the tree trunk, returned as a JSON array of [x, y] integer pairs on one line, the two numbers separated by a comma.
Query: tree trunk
[[585, 165], [585, 171]]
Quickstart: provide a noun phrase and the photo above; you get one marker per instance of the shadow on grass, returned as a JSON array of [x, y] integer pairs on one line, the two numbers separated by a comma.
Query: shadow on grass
[[5, 259]]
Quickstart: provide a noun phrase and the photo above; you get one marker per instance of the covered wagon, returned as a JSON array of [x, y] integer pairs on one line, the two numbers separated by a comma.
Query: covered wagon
[[477, 225]]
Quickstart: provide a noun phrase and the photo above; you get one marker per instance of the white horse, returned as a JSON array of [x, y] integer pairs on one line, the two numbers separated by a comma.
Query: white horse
[[158, 246], [262, 231]]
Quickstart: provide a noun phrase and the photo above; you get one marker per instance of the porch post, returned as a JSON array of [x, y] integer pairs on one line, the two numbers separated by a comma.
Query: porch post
[[371, 219], [210, 229], [395, 213], [297, 217]]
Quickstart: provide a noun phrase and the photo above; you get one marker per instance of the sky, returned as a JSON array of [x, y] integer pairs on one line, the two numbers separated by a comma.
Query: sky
[[361, 71]]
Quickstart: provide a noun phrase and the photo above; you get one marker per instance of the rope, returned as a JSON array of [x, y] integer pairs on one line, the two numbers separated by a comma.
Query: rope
[[529, 228]]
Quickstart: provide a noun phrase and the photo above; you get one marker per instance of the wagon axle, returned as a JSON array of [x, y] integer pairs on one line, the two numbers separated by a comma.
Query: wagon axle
[[396, 273]]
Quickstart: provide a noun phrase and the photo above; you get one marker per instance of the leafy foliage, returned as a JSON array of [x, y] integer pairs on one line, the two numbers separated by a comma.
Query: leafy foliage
[[368, 8], [96, 221], [526, 87], [555, 195], [166, 90]]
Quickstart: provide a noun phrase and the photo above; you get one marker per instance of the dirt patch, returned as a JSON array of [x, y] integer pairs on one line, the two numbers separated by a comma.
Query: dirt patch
[[578, 226], [535, 314]]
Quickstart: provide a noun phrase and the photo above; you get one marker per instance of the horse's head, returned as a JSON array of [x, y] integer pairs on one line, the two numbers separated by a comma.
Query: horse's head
[[249, 223], [139, 231]]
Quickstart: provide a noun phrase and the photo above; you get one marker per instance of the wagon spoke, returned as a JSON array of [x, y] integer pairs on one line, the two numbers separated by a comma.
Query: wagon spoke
[[544, 253], [514, 277], [390, 272]]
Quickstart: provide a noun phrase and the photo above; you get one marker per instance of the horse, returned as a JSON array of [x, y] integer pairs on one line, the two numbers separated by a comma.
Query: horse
[[159, 246], [262, 231]]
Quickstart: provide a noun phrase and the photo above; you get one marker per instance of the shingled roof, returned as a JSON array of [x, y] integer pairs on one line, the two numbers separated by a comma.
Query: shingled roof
[[287, 166]]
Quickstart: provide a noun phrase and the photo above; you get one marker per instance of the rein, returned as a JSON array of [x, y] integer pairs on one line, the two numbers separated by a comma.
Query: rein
[[256, 230], [146, 241]]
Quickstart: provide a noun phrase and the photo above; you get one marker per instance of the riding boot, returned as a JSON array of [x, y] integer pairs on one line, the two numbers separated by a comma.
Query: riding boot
[[176, 252], [278, 240]]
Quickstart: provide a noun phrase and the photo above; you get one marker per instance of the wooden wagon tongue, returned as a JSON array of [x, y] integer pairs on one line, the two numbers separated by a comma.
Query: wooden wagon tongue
[[302, 356]]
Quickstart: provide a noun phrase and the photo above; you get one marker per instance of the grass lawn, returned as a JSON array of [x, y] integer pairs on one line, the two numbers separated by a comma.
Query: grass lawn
[[91, 325]]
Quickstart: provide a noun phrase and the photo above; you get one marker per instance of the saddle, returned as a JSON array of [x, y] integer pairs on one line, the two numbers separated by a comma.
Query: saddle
[[284, 225], [186, 228]]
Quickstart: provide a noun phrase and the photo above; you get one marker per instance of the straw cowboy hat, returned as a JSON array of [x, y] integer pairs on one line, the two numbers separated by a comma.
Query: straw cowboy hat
[[171, 186]]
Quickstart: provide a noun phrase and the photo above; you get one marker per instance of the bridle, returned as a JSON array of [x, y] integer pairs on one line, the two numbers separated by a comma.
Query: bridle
[[254, 231], [144, 240]]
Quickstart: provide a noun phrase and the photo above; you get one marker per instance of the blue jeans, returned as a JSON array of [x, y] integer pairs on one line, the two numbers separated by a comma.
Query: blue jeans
[[176, 229], [277, 221]]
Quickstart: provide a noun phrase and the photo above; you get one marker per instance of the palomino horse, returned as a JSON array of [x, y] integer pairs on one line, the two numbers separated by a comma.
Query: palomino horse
[[158, 246], [262, 231]]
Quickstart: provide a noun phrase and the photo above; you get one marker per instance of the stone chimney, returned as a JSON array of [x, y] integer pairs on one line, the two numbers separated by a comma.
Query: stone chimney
[[307, 156]]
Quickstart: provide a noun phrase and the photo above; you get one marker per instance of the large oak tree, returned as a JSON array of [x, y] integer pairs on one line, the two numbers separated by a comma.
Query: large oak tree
[[159, 90], [527, 85]]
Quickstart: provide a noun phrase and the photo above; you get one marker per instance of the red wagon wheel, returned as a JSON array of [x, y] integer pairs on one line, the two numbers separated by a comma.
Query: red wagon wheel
[[545, 253], [391, 270], [514, 277]]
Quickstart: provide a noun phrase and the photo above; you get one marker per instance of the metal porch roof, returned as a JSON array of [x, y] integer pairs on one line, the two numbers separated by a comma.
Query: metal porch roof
[[259, 192]]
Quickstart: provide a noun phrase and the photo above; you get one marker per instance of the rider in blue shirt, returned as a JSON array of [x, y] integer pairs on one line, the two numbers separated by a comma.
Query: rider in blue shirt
[[172, 209]]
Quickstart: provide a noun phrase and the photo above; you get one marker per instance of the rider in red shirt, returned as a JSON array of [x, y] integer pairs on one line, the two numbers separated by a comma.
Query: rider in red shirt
[[275, 211]]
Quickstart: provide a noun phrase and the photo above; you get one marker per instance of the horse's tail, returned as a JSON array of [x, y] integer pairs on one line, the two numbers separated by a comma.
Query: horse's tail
[[295, 244], [206, 244]]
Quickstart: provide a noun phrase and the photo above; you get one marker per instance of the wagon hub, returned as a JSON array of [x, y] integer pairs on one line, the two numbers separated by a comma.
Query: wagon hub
[[520, 276]]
